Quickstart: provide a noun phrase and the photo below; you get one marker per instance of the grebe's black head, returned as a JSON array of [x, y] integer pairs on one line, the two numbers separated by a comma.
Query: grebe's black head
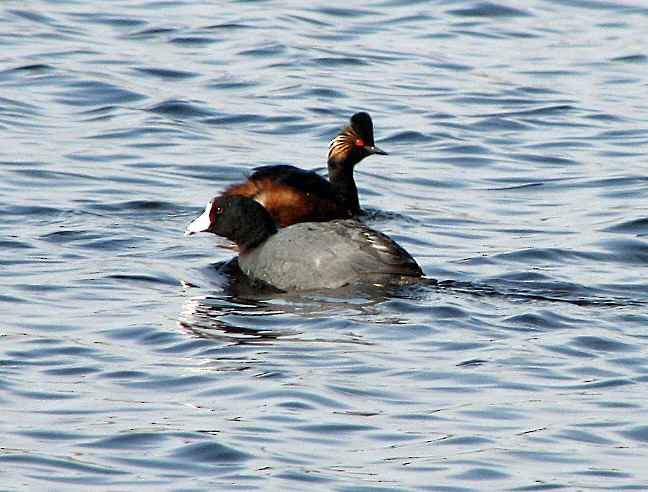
[[354, 143], [235, 217]]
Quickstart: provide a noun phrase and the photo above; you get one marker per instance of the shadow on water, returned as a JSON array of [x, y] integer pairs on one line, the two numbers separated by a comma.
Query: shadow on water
[[554, 292], [244, 311], [247, 311]]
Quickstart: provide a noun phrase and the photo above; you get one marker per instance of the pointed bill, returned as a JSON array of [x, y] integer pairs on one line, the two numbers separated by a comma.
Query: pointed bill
[[375, 150], [202, 223]]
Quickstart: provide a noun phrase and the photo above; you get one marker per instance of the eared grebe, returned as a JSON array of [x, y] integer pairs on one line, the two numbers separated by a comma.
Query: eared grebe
[[305, 256], [293, 195]]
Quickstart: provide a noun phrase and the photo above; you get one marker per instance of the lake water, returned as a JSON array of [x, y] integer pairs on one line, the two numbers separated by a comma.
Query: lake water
[[517, 176]]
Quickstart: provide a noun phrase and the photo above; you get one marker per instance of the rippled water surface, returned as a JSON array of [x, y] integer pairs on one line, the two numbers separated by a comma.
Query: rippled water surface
[[518, 176]]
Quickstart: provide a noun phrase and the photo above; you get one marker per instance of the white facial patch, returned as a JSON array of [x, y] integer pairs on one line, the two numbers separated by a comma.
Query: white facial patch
[[202, 223]]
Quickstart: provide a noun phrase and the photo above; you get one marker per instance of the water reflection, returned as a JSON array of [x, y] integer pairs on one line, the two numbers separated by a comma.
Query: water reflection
[[212, 317], [234, 308]]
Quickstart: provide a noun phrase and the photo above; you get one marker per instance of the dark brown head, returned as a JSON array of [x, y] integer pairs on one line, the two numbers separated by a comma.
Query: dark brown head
[[354, 143], [235, 217]]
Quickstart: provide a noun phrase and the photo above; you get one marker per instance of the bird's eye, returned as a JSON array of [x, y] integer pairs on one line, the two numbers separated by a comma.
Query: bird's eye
[[359, 142]]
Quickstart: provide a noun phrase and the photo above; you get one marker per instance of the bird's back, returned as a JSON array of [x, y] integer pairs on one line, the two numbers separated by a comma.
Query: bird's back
[[328, 255]]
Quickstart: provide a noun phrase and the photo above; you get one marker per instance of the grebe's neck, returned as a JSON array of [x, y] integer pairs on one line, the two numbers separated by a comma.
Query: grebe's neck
[[341, 177]]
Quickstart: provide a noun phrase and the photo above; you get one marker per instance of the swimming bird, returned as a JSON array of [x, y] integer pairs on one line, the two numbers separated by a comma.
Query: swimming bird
[[293, 195], [308, 255]]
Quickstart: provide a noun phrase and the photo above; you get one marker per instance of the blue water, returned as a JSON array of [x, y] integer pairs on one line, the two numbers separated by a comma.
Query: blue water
[[517, 176]]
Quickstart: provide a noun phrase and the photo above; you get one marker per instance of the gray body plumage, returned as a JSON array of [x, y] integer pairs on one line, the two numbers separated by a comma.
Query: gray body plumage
[[328, 255]]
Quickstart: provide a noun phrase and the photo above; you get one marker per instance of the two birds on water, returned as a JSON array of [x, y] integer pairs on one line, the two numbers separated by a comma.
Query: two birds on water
[[320, 245]]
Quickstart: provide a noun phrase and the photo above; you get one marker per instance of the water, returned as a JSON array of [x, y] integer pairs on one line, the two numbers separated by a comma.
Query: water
[[517, 176]]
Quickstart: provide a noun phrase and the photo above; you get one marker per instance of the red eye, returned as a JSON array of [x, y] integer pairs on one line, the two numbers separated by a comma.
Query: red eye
[[219, 210], [359, 142]]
